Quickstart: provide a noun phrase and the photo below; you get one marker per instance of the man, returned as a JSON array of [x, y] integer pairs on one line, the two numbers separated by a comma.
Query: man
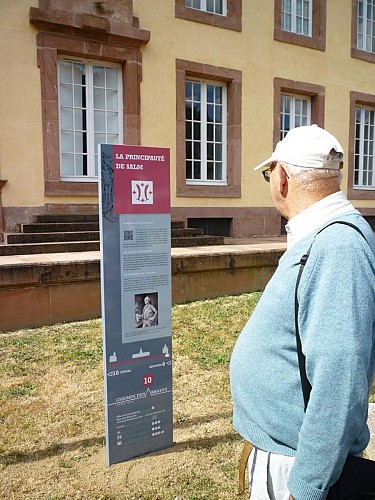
[[149, 313], [301, 454]]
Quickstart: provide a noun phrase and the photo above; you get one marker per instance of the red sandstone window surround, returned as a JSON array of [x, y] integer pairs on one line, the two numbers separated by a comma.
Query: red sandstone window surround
[[92, 37], [358, 100], [317, 40], [356, 52], [233, 80], [314, 92], [232, 20]]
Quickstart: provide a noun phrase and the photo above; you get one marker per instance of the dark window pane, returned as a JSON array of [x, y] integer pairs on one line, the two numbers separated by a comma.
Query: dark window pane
[[357, 131], [218, 92], [188, 130], [357, 115], [210, 113], [218, 118], [218, 152], [197, 170], [189, 170], [197, 112], [210, 6], [210, 151], [218, 171], [197, 131], [357, 144], [210, 170], [197, 150], [188, 90], [188, 111], [188, 150], [210, 132], [197, 91], [287, 123], [210, 93], [218, 133]]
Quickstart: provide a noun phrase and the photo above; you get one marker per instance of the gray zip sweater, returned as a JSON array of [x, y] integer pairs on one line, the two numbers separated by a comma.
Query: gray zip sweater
[[337, 328]]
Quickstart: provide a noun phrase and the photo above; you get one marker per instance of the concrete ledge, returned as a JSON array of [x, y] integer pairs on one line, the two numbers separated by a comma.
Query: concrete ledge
[[209, 275], [43, 289]]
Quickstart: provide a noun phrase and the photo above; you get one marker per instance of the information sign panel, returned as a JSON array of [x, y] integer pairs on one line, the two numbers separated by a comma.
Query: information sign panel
[[135, 233]]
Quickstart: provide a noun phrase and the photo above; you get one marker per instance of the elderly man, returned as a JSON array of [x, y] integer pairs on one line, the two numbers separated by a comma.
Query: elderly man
[[300, 454], [149, 313]]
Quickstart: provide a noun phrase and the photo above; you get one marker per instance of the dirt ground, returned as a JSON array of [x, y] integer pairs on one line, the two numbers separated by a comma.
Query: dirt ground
[[201, 465]]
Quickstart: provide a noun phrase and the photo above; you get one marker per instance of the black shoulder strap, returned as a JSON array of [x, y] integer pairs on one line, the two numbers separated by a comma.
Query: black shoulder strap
[[306, 386]]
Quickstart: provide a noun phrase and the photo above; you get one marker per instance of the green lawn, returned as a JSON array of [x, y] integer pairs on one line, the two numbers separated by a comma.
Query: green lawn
[[52, 438]]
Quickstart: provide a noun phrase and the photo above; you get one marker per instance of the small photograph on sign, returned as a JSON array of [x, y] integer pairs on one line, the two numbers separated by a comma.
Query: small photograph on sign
[[146, 309]]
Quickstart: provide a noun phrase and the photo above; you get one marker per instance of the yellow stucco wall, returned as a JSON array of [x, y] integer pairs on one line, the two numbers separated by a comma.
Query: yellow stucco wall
[[20, 112], [260, 59], [253, 51]]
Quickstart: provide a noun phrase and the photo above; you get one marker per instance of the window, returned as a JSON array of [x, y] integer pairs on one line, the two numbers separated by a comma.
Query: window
[[364, 175], [206, 125], [221, 13], [296, 16], [208, 130], [366, 25], [295, 111], [361, 175], [89, 107], [84, 36], [214, 6], [302, 22], [296, 104], [363, 30]]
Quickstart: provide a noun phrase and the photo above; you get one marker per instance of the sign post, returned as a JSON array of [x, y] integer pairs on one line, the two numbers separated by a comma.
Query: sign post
[[135, 232]]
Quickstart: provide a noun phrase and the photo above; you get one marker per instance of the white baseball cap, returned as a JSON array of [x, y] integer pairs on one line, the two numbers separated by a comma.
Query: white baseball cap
[[309, 146]]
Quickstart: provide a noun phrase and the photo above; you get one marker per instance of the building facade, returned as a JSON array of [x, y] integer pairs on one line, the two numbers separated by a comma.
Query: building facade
[[219, 82]]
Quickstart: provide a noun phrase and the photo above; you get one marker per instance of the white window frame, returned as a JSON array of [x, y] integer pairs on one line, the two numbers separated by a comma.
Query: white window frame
[[92, 153], [366, 26], [203, 7], [293, 98], [203, 135], [365, 152], [294, 18]]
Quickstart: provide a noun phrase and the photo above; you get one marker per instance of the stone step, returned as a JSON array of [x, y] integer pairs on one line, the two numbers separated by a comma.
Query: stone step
[[197, 241], [186, 232], [18, 238], [61, 227], [59, 247], [58, 218], [55, 233], [178, 224], [86, 246]]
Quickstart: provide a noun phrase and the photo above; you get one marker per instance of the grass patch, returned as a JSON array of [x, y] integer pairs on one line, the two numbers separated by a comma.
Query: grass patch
[[372, 394], [52, 443], [206, 331], [17, 391], [52, 412], [71, 343]]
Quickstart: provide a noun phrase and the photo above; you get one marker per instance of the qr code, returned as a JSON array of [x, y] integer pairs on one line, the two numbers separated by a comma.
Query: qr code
[[128, 235]]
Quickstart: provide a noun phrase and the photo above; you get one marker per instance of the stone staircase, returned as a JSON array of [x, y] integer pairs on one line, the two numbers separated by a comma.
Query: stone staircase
[[182, 236], [59, 233]]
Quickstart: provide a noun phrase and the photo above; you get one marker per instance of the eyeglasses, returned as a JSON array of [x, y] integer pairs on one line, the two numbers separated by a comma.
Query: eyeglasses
[[268, 171]]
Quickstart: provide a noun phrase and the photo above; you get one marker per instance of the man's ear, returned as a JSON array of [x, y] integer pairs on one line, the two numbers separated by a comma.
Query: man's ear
[[282, 181]]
